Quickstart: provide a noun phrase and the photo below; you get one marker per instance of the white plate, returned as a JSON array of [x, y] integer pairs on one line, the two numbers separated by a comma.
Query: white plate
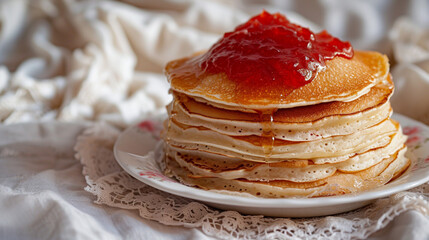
[[135, 152]]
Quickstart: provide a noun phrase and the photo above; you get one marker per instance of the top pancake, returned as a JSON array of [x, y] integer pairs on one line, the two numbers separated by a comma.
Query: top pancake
[[343, 80]]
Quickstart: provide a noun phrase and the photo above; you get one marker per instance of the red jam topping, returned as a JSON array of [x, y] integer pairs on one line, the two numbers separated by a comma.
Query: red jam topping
[[270, 50]]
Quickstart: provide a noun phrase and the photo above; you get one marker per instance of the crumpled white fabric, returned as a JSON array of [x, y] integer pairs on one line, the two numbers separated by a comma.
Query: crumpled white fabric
[[42, 192], [97, 61], [411, 73], [102, 60]]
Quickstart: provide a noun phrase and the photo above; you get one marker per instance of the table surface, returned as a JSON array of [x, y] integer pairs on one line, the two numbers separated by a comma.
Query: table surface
[[42, 194]]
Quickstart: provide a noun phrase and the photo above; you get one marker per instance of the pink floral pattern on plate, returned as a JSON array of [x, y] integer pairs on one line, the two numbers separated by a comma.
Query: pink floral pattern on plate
[[413, 133], [153, 127], [417, 138], [155, 175]]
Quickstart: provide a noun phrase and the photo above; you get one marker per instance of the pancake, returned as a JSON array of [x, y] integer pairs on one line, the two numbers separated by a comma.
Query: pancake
[[274, 110], [299, 162], [295, 171], [189, 137], [343, 80], [295, 124], [337, 184]]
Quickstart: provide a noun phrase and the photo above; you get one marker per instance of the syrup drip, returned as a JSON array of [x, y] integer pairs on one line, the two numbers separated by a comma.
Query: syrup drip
[[267, 136]]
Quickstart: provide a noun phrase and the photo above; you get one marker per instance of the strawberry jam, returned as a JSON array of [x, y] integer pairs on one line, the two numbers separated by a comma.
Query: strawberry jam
[[270, 51]]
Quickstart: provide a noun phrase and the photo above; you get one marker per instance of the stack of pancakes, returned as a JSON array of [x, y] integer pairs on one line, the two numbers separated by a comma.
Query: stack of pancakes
[[332, 136]]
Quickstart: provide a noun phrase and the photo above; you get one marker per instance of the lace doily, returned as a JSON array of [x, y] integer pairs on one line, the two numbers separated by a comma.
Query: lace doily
[[114, 187]]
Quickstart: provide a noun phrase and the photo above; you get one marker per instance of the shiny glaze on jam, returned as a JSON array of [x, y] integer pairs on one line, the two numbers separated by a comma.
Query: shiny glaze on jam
[[270, 50]]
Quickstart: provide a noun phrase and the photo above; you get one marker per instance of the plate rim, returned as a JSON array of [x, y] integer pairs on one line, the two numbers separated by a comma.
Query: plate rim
[[235, 200]]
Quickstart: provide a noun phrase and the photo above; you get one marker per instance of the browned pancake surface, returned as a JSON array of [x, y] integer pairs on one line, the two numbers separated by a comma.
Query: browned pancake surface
[[376, 96], [343, 79]]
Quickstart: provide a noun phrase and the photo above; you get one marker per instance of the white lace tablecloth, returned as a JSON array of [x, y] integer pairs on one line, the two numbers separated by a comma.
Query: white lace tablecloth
[[114, 187], [42, 196], [82, 61], [42, 192]]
